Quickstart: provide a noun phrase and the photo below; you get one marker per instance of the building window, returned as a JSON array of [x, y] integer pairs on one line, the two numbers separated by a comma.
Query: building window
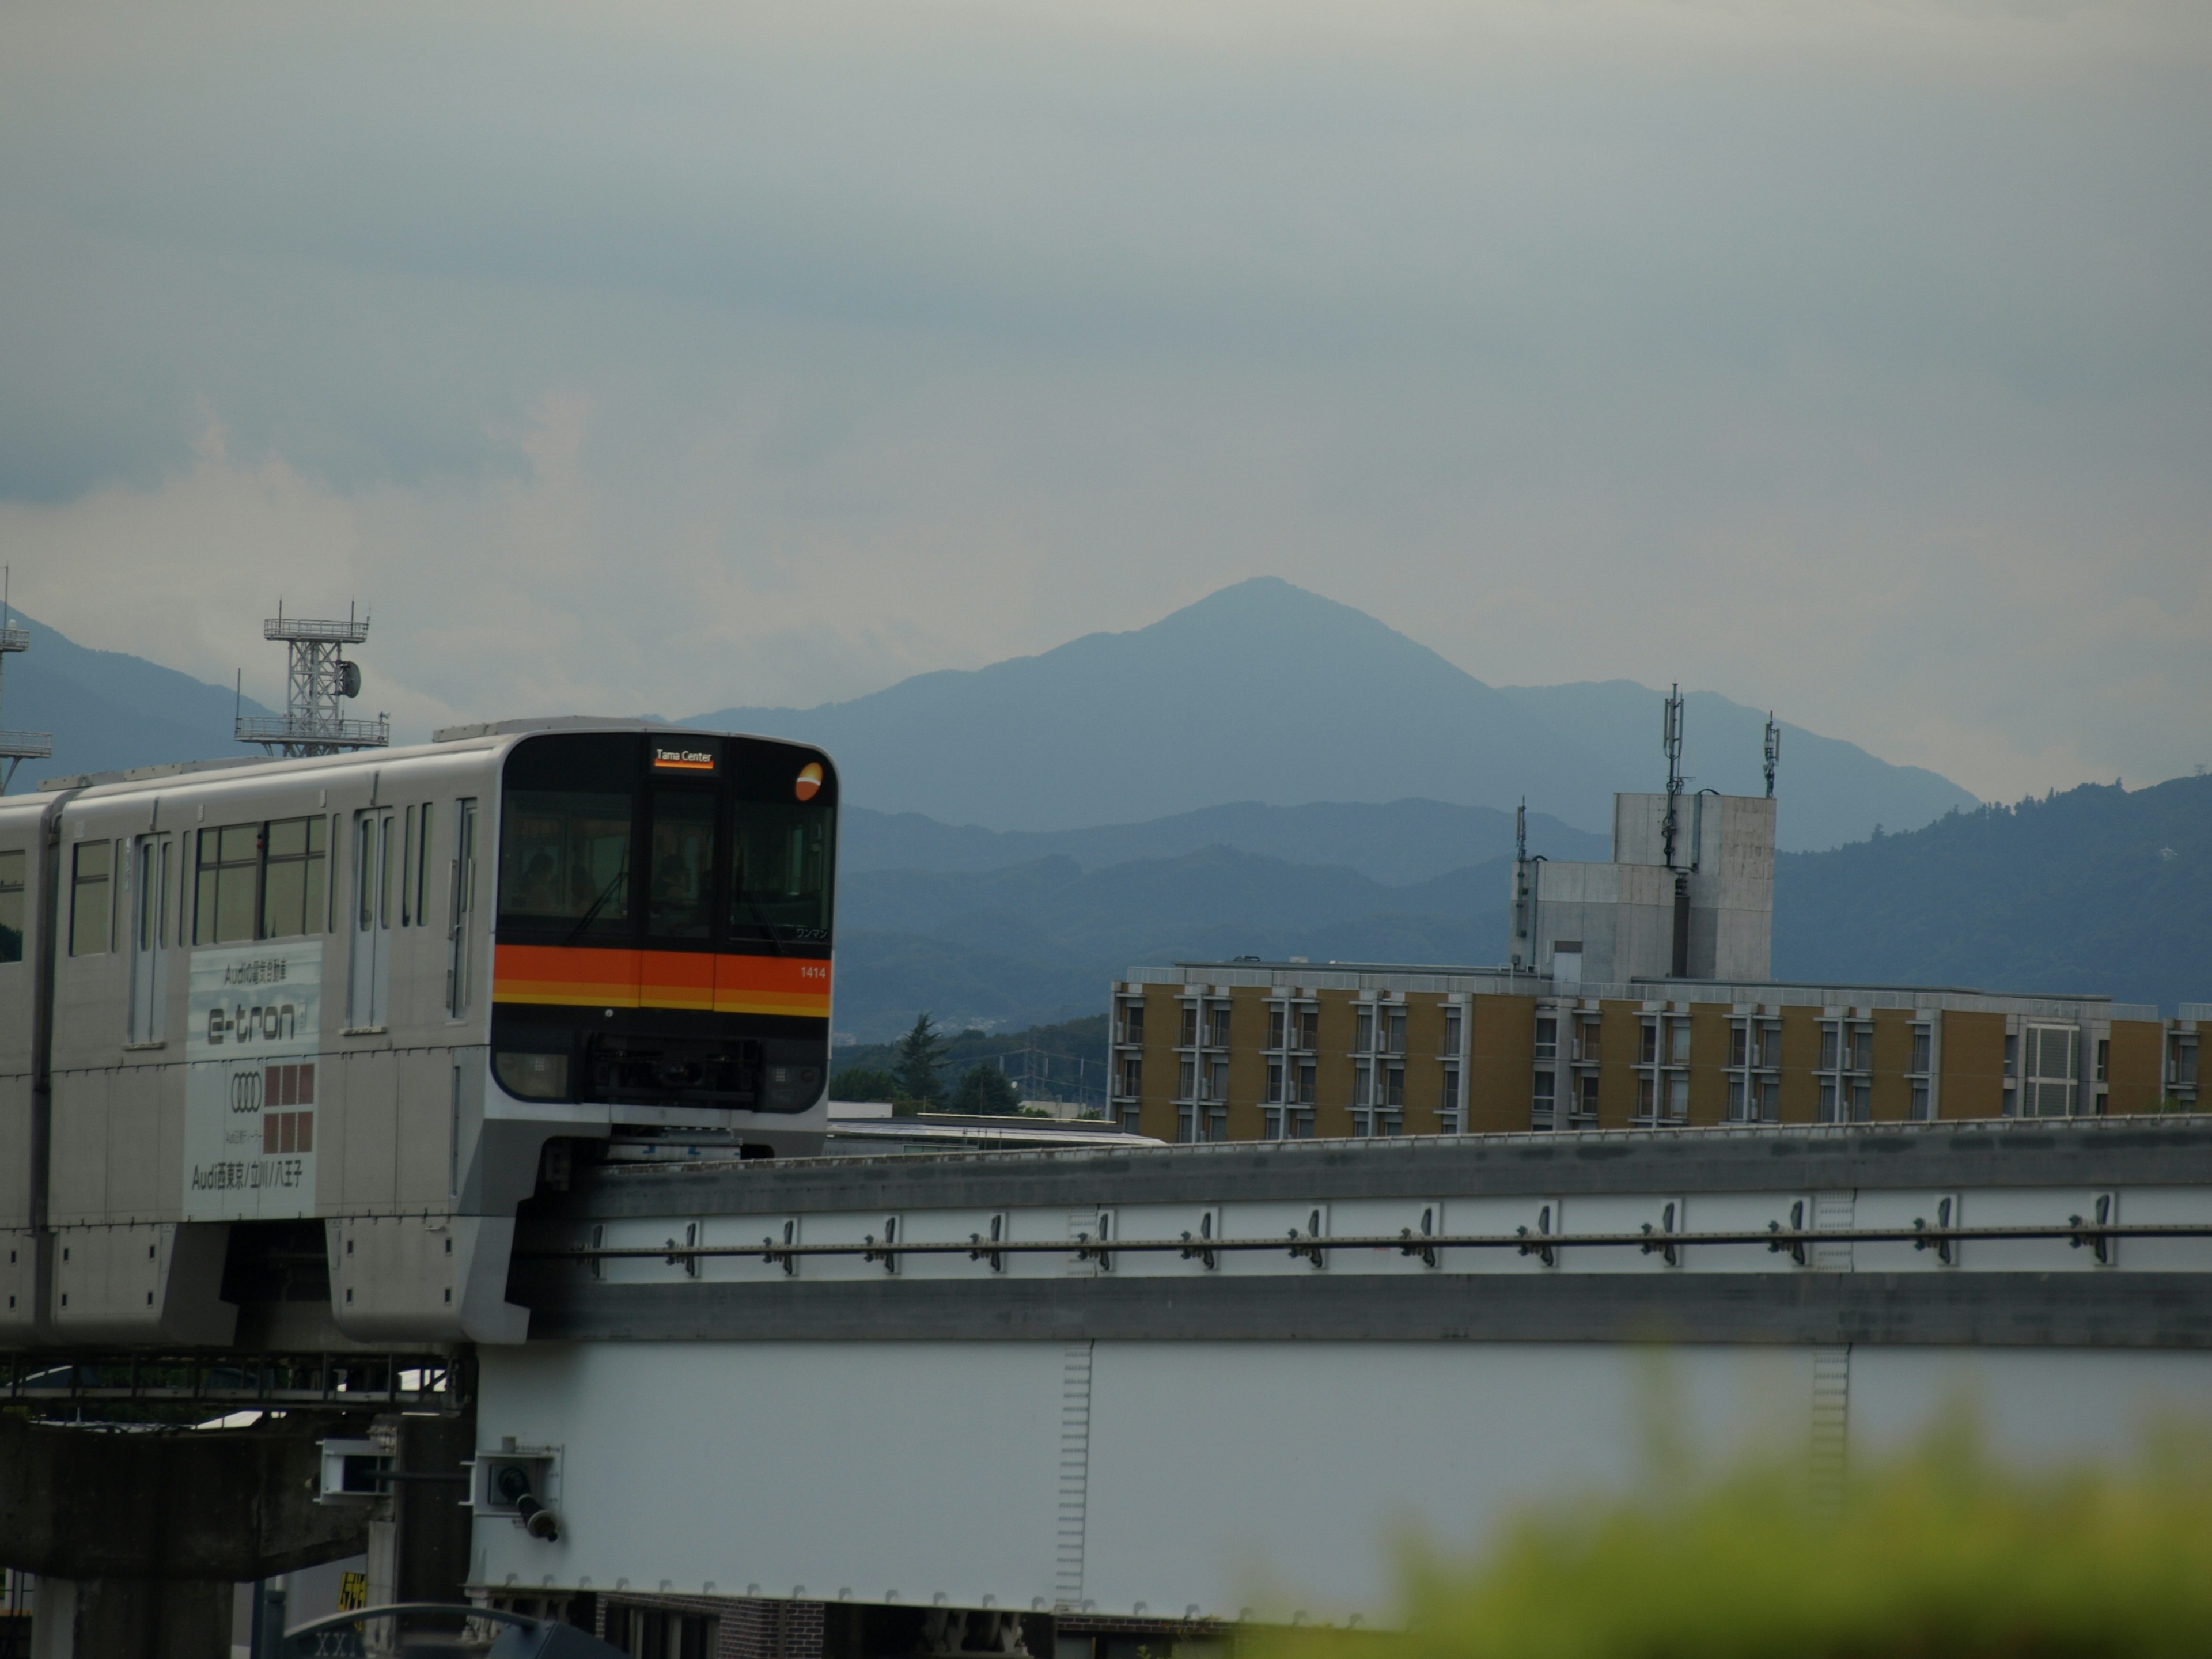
[[1278, 1026], [1662, 1089], [1189, 1080], [1394, 1087], [1306, 1032], [1362, 1083], [1847, 1058], [1132, 1076], [2049, 1087], [1547, 1037], [1133, 1022], [1189, 1038], [1585, 1101], [2104, 1060], [1363, 1040], [1447, 1105], [1274, 1082], [1307, 1073], [1542, 1106], [1287, 1123], [1586, 1041], [92, 898], [1454, 1026], [1754, 1047], [1216, 1027], [1393, 1031], [1217, 1079], [1919, 1077]]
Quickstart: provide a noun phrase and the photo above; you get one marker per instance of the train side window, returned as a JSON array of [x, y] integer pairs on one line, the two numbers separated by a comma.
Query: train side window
[[12, 865], [423, 870], [229, 879], [92, 898], [407, 872], [292, 878]]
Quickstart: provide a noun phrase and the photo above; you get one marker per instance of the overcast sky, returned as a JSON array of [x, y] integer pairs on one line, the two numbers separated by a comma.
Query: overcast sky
[[1849, 358]]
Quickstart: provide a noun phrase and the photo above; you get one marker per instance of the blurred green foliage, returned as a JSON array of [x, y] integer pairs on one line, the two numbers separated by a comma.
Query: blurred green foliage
[[1941, 1552]]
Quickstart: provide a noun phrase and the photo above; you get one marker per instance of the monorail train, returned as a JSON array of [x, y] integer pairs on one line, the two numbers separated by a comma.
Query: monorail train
[[357, 1006]]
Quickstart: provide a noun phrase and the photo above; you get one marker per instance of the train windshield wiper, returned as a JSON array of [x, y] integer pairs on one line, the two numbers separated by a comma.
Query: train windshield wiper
[[597, 904], [767, 929]]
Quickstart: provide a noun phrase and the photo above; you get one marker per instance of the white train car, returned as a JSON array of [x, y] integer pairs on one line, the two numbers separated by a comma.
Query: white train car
[[303, 1033]]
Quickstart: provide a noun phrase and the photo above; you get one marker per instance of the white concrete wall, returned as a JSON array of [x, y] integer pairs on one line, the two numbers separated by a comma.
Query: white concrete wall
[[1172, 1480]]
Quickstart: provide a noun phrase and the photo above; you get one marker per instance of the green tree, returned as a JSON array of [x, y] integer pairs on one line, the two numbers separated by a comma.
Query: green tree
[[863, 1083], [917, 1059], [988, 1091]]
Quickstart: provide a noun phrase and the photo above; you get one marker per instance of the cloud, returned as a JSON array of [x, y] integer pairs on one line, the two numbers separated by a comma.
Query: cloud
[[1850, 358]]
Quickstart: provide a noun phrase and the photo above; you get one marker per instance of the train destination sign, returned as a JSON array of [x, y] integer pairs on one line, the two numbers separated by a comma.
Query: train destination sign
[[252, 1080], [690, 755]]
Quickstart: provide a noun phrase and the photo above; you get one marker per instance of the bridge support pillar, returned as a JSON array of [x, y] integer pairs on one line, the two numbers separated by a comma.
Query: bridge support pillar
[[126, 1618], [140, 1540]]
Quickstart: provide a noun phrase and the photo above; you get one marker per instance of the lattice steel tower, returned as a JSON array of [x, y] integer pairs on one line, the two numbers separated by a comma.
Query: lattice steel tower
[[16, 747], [311, 723]]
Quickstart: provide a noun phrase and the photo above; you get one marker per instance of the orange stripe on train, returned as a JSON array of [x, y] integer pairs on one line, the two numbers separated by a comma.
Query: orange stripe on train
[[569, 976]]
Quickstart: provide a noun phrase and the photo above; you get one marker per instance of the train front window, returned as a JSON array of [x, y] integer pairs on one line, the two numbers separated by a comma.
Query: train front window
[[682, 878], [781, 867], [564, 860]]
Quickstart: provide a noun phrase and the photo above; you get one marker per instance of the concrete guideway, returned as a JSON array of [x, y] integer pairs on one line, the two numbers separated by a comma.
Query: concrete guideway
[[1208, 1383]]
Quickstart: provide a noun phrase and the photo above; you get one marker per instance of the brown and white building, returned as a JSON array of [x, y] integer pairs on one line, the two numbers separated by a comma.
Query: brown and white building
[[1247, 1050]]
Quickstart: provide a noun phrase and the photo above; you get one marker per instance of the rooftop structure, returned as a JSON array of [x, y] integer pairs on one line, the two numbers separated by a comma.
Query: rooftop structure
[[319, 680]]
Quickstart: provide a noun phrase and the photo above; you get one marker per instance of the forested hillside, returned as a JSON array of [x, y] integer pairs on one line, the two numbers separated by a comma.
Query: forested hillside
[[2096, 890]]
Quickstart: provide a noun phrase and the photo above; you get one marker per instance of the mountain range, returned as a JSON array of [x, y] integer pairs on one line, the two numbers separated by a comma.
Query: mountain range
[[2100, 889], [1269, 773], [1264, 692], [1396, 842], [108, 710]]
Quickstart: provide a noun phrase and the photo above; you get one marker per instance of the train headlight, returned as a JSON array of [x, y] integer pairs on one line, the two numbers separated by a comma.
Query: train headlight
[[533, 1077]]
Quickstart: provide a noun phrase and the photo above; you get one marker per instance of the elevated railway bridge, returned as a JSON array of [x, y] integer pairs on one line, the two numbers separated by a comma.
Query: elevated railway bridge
[[982, 1401]]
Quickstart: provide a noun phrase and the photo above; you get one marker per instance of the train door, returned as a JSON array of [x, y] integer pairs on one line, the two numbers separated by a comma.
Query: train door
[[151, 860], [375, 851]]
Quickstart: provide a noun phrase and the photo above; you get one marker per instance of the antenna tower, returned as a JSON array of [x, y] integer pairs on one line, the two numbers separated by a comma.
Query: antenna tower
[[1773, 751], [1671, 736], [16, 747], [312, 722]]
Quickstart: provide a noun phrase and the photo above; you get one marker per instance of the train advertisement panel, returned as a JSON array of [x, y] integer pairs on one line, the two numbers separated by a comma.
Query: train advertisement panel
[[252, 1057]]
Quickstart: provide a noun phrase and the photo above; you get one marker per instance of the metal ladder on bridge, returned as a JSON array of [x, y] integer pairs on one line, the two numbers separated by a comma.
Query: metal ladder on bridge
[[1831, 1416]]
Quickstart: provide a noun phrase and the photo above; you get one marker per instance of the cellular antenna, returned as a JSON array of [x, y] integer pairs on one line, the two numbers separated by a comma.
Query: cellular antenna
[[1773, 751], [16, 747], [312, 722], [1671, 737]]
